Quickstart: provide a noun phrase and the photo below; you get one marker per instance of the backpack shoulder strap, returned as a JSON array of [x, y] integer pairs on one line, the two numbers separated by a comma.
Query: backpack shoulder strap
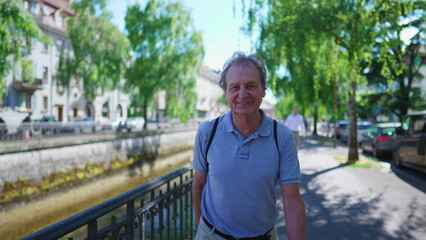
[[213, 132], [276, 136]]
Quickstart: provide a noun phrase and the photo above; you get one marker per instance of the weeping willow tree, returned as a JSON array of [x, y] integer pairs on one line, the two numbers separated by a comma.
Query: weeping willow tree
[[300, 58], [167, 52], [306, 33], [99, 50]]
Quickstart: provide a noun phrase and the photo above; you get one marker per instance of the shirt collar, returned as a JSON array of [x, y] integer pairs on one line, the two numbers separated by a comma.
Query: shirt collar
[[265, 128]]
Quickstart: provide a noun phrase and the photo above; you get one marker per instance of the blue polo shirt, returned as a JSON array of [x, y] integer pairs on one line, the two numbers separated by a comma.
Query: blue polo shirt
[[239, 197]]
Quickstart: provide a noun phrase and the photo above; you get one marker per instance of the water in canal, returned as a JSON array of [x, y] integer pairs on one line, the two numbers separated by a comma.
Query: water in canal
[[27, 218]]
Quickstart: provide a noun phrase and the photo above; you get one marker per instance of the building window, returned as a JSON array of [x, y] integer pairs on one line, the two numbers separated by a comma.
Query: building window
[[105, 110], [25, 100], [45, 74], [59, 46], [45, 48], [45, 103], [119, 111], [59, 21]]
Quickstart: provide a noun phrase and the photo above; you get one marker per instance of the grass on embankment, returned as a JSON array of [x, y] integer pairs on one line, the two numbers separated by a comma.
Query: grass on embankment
[[363, 162]]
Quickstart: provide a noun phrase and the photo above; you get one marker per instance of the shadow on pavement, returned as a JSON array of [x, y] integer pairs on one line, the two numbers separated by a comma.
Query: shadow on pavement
[[345, 216], [414, 178]]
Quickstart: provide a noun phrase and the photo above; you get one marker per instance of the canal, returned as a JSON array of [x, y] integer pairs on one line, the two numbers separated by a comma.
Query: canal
[[20, 220]]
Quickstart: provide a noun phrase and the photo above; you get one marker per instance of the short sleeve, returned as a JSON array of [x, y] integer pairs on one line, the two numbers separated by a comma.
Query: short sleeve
[[289, 171], [201, 140]]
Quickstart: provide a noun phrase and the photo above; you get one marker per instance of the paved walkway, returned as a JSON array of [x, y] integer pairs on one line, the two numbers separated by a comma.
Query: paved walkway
[[352, 203]]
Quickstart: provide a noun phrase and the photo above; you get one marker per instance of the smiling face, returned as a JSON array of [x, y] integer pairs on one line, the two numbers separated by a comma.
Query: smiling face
[[244, 91]]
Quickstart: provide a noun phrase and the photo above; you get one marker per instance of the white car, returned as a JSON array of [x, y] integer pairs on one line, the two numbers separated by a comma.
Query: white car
[[135, 123], [117, 125]]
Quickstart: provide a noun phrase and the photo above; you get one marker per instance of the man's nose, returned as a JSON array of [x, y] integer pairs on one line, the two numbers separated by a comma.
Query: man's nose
[[243, 92]]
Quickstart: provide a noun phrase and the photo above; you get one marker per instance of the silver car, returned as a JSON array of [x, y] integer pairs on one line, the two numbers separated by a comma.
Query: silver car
[[378, 140]]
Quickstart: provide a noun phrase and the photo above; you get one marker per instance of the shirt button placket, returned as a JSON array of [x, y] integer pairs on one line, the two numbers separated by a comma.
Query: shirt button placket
[[243, 153]]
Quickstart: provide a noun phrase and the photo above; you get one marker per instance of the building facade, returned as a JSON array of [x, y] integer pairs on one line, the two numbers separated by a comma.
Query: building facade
[[209, 95], [43, 97]]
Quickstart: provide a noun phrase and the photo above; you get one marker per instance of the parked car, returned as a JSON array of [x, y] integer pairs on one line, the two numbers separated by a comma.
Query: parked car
[[340, 128], [3, 127], [410, 142], [47, 125], [378, 140], [363, 127], [86, 124], [135, 123], [117, 125]]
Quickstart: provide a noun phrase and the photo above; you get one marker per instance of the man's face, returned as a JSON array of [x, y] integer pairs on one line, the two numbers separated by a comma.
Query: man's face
[[295, 111], [244, 90]]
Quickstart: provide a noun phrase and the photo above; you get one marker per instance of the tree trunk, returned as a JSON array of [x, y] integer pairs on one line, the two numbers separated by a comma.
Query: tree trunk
[[353, 130], [315, 133], [145, 113], [335, 111]]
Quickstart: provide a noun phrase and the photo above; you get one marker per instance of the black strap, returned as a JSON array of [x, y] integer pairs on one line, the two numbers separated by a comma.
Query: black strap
[[275, 135], [264, 236], [211, 139]]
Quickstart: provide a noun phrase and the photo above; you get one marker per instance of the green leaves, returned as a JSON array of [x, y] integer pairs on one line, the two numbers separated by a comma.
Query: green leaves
[[99, 50], [167, 53], [17, 30]]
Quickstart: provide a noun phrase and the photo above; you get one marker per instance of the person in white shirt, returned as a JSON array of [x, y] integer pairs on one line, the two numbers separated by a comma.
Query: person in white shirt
[[296, 124]]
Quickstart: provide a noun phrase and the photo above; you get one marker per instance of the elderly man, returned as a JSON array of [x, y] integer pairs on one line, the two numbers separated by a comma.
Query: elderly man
[[240, 158]]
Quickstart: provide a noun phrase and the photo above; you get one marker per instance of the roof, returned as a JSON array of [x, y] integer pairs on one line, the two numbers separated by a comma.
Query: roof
[[208, 73], [64, 5]]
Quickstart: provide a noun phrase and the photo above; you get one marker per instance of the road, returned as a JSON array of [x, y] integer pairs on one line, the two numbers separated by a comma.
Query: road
[[353, 203]]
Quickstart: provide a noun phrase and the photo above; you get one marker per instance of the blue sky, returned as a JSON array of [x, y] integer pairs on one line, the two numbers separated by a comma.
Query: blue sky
[[214, 18]]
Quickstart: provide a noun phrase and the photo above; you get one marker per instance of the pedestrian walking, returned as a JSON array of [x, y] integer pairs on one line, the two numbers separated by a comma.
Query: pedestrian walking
[[240, 157], [27, 126], [296, 124]]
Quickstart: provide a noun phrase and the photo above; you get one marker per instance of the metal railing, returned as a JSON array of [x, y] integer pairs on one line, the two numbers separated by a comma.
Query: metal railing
[[37, 130], [160, 209]]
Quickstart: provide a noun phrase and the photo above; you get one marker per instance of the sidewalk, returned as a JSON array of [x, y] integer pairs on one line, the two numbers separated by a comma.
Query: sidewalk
[[353, 203]]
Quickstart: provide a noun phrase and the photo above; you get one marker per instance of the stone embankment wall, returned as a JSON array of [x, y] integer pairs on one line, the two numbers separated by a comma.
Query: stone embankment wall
[[46, 164]]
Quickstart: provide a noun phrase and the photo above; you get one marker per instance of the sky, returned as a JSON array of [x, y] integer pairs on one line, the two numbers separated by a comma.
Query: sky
[[216, 19]]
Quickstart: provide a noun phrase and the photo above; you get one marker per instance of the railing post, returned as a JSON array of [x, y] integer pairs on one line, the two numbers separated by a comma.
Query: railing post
[[142, 227], [152, 216], [92, 229], [168, 210], [191, 212], [175, 211], [181, 205], [130, 219], [160, 206]]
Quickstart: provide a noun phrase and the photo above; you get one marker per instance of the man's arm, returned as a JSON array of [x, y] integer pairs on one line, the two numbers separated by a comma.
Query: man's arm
[[302, 127], [197, 191], [294, 211]]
